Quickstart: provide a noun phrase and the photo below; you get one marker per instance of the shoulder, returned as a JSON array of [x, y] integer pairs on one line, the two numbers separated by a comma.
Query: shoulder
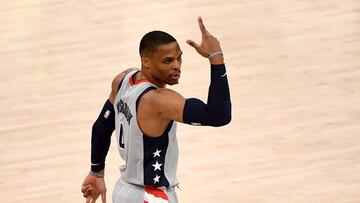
[[116, 82], [169, 103], [160, 94]]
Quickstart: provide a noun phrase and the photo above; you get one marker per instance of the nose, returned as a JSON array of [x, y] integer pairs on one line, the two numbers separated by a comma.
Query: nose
[[177, 65]]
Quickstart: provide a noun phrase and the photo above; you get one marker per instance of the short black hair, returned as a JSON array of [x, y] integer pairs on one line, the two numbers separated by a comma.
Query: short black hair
[[151, 40]]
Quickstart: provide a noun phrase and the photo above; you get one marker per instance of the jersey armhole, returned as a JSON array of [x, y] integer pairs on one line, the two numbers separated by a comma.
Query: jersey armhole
[[168, 127], [142, 94], [120, 83]]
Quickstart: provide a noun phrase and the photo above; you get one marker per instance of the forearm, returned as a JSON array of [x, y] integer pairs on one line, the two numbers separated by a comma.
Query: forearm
[[100, 143], [219, 88], [101, 137], [217, 111]]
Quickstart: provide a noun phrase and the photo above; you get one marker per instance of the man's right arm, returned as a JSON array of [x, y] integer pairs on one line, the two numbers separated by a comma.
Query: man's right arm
[[217, 111]]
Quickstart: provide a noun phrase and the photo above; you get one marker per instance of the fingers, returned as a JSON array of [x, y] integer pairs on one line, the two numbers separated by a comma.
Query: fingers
[[204, 31], [103, 197], [84, 188], [88, 192], [88, 199], [202, 26], [91, 196]]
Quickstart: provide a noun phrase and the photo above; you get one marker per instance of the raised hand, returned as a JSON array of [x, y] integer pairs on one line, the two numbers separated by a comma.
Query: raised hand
[[209, 47]]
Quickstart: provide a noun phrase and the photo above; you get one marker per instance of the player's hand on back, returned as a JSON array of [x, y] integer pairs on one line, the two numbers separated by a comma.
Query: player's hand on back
[[209, 45], [92, 188]]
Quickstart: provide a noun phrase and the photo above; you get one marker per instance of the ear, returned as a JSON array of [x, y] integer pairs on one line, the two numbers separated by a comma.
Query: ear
[[145, 62]]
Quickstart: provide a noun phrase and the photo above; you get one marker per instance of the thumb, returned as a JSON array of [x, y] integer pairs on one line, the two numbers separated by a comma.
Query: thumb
[[193, 44], [103, 197], [197, 47]]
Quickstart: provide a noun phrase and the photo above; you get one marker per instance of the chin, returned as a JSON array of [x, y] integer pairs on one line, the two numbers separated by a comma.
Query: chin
[[174, 82]]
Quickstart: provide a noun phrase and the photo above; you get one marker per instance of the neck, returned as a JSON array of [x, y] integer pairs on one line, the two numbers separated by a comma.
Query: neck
[[144, 75]]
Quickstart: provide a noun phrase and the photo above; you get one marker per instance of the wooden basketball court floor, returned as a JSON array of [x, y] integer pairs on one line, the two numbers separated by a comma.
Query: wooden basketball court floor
[[293, 68]]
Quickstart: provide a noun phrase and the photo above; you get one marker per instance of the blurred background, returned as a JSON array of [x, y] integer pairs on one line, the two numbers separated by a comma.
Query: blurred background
[[294, 73]]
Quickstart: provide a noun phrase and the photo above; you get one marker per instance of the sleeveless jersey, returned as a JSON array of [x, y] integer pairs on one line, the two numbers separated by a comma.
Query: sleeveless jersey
[[148, 161]]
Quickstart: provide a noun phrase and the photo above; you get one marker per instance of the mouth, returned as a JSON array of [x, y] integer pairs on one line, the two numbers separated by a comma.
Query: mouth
[[175, 76]]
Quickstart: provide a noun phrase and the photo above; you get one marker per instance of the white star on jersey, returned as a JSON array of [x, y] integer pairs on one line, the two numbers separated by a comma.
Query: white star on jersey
[[157, 166], [157, 153], [156, 179]]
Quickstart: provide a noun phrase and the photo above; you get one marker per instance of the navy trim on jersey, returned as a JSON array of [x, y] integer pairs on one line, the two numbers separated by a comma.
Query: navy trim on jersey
[[154, 158], [154, 153], [121, 83], [142, 94]]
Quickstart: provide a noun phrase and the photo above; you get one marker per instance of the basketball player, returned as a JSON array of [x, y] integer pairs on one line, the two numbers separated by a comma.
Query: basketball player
[[144, 113]]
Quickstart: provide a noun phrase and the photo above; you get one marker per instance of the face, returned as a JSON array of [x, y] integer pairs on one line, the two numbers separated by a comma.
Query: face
[[164, 64]]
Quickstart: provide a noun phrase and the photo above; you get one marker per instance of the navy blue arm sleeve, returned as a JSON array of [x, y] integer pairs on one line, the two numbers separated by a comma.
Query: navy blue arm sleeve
[[102, 130], [217, 111]]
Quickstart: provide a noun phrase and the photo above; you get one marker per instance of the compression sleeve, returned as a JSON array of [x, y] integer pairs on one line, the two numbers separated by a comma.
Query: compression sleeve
[[217, 111], [101, 136]]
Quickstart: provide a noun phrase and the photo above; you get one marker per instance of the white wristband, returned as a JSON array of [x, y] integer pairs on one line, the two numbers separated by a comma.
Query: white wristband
[[211, 55]]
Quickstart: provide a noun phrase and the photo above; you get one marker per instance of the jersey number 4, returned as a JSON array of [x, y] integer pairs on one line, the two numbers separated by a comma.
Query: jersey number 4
[[121, 139]]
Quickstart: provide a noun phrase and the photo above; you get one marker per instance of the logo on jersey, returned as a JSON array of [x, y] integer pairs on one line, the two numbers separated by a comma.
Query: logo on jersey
[[107, 114], [123, 108]]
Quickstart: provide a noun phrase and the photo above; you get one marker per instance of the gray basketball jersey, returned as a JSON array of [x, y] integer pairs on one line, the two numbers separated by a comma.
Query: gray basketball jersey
[[148, 161]]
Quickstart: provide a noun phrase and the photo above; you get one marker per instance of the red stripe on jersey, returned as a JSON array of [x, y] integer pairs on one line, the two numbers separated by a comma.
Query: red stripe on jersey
[[156, 192], [131, 81]]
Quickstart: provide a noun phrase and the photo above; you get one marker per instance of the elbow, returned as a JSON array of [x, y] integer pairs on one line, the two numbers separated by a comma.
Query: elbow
[[225, 117], [227, 113]]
